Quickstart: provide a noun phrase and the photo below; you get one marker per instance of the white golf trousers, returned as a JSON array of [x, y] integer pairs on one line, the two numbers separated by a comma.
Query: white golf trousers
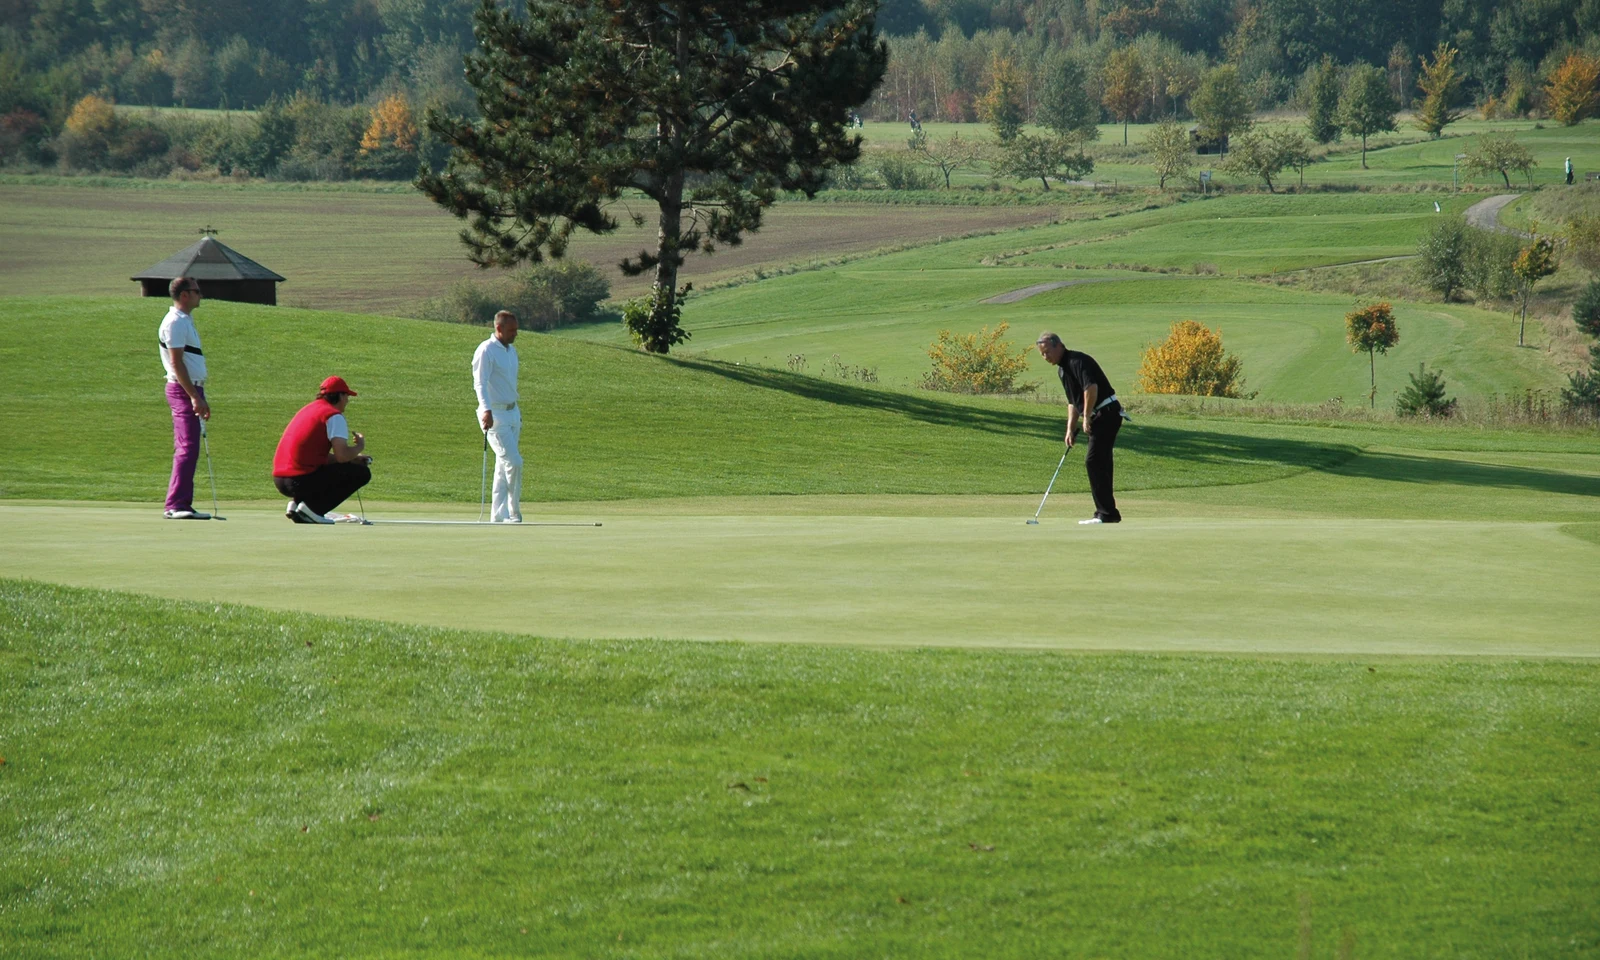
[[505, 438]]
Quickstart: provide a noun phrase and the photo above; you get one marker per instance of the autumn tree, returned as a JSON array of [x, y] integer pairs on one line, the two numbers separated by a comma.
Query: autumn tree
[[1573, 90], [1439, 81], [1373, 329], [1125, 84], [1221, 105], [1367, 106], [1170, 150], [391, 126], [709, 111], [983, 362], [1190, 361], [1001, 104], [1499, 153], [1536, 261], [1322, 107]]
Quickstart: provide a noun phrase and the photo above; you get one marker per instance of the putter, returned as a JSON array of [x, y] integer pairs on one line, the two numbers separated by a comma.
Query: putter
[[1035, 521], [483, 485], [216, 514]]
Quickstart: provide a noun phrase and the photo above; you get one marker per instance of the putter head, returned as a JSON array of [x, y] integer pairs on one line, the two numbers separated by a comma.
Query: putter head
[[1033, 523]]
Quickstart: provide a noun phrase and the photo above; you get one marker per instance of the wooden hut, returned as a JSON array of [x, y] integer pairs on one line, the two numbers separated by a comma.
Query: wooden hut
[[224, 274]]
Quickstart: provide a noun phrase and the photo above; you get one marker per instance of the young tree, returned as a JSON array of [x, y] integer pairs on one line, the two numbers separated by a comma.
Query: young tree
[[1002, 102], [1190, 361], [1536, 261], [1442, 256], [1065, 105], [1499, 153], [1125, 84], [1255, 154], [1367, 106], [1573, 90], [709, 110], [946, 156], [1372, 329], [1221, 105], [1425, 396], [1322, 110], [1586, 309], [1169, 147], [1293, 150], [1043, 158], [1439, 81]]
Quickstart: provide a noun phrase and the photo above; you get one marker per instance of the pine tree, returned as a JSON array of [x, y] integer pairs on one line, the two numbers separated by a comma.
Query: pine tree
[[709, 110], [1425, 395]]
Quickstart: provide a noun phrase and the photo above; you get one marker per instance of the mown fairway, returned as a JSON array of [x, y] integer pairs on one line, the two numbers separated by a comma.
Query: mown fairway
[[346, 248]]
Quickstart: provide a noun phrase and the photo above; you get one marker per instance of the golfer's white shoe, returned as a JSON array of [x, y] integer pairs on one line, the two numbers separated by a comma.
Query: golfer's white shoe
[[1089, 522], [186, 515], [289, 510], [308, 515], [510, 520]]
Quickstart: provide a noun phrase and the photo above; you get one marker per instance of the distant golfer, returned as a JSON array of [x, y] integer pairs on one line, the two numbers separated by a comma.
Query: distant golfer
[[1569, 171], [1089, 395], [186, 395], [316, 466], [494, 379]]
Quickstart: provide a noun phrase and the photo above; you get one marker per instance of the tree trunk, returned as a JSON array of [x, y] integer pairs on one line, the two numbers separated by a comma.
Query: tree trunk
[[1046, 182], [1506, 177], [1363, 151], [1526, 294], [1372, 360], [1124, 131]]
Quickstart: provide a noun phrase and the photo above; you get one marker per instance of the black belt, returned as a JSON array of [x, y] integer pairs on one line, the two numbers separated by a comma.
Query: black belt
[[194, 350]]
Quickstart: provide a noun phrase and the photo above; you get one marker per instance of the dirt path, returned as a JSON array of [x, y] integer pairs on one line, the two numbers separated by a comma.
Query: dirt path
[[1485, 214], [1026, 292]]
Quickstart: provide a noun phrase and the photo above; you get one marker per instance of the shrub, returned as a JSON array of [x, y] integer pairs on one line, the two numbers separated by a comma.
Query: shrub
[[654, 326], [1442, 256], [1190, 361], [1424, 397], [1583, 242], [1491, 257], [980, 362], [1582, 392], [544, 296], [899, 171], [1586, 309]]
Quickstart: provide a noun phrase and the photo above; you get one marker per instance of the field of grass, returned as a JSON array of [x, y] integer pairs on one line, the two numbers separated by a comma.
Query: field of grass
[[386, 252], [279, 784], [1404, 157]]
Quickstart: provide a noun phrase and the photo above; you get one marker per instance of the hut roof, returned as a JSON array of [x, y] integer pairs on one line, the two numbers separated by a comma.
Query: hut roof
[[207, 260]]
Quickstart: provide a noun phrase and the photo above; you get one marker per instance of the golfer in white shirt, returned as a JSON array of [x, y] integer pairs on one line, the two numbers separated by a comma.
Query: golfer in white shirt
[[494, 379]]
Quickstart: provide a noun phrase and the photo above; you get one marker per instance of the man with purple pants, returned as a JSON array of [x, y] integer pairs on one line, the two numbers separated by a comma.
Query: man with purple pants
[[186, 394]]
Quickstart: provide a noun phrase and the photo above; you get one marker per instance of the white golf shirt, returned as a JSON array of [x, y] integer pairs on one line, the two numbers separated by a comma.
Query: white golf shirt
[[177, 330], [494, 375]]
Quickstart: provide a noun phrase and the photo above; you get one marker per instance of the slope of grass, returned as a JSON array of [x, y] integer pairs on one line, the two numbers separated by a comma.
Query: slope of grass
[[277, 784]]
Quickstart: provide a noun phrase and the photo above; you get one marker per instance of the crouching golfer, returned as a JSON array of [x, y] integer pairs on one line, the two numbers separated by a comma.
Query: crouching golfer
[[1089, 395], [494, 380], [316, 466]]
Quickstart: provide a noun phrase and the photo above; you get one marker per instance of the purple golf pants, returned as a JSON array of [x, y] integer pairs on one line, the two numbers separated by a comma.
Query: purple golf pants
[[185, 447]]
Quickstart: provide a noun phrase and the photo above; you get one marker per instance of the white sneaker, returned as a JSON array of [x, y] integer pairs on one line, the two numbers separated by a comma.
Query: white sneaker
[[186, 515], [308, 515], [510, 520], [288, 511], [1090, 521]]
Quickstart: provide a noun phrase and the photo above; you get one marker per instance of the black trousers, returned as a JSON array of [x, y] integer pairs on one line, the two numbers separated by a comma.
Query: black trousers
[[1103, 426], [328, 486]]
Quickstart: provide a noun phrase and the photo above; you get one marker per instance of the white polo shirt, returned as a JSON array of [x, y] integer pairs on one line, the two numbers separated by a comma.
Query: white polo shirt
[[177, 330], [494, 375]]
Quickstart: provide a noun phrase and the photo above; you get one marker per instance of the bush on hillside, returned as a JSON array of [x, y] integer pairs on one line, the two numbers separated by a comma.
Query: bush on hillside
[[1583, 242], [543, 296], [1425, 395], [980, 362], [900, 171], [1582, 392], [1442, 256], [1491, 258], [1191, 361]]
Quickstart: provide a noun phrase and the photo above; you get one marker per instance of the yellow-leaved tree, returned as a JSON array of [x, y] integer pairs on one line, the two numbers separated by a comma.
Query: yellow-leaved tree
[[976, 363], [92, 116], [1191, 361], [1573, 90], [392, 126]]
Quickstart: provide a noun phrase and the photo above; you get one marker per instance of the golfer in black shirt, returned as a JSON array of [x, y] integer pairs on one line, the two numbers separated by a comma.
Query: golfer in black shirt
[[1089, 395]]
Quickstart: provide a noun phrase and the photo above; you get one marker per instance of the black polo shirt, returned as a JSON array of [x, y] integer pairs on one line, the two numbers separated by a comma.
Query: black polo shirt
[[1077, 371]]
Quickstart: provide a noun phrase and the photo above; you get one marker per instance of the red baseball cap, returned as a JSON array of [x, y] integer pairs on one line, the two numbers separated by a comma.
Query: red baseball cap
[[336, 385]]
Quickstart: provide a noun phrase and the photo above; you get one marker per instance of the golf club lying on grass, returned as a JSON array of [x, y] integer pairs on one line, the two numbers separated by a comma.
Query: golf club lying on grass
[[205, 439], [1035, 520]]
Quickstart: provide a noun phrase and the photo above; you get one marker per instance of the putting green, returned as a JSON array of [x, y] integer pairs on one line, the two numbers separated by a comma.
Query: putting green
[[944, 571]]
